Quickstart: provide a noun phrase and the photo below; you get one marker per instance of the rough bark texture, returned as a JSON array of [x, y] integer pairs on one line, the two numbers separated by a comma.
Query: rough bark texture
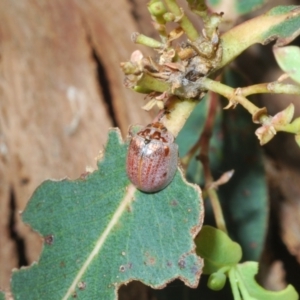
[[60, 90]]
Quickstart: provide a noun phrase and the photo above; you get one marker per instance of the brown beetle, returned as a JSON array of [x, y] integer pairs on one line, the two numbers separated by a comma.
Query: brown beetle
[[152, 158]]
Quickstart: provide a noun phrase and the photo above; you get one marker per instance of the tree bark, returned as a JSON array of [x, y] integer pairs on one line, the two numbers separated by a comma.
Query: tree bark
[[61, 89]]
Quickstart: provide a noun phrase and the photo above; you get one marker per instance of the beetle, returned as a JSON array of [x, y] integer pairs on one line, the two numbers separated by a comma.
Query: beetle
[[152, 158]]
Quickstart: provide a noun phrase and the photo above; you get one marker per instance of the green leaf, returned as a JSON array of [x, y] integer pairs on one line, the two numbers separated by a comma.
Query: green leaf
[[237, 7], [246, 275], [2, 295], [280, 23], [245, 6], [297, 138], [288, 59], [296, 125], [100, 232], [217, 249]]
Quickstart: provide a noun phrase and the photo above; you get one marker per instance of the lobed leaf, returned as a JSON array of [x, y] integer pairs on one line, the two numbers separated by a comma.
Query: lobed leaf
[[100, 232], [247, 272]]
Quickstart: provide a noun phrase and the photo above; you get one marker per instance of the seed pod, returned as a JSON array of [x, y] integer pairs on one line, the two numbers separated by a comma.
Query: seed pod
[[152, 158]]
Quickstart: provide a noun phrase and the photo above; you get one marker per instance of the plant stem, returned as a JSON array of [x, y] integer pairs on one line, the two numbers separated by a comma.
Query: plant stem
[[198, 7], [243, 289], [146, 41], [203, 144], [206, 133], [270, 88], [290, 128], [178, 112], [233, 282], [217, 209], [184, 22], [229, 93], [149, 82]]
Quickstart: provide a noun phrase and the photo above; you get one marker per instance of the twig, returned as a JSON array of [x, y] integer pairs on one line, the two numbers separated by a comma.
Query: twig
[[183, 20]]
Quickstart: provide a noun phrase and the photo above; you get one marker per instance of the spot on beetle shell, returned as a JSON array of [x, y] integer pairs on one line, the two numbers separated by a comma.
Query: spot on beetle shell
[[152, 158]]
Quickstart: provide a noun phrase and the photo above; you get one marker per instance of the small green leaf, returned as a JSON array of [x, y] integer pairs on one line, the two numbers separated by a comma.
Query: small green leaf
[[296, 125], [100, 232], [216, 281], [246, 273], [288, 59], [217, 249], [285, 116], [297, 138]]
